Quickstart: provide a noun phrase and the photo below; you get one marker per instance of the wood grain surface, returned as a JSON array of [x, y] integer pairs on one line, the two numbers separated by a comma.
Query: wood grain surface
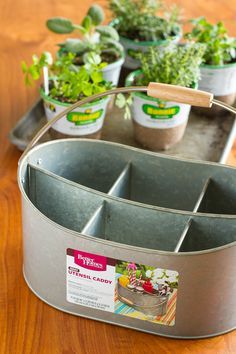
[[27, 325]]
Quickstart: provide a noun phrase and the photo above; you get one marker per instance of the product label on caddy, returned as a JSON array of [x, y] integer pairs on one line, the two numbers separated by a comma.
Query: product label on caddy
[[126, 288]]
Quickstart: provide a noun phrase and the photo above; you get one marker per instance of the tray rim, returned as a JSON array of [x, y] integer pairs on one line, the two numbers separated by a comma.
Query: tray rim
[[21, 144]]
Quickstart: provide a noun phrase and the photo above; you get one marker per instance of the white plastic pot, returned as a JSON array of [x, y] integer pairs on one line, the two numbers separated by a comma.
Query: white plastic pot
[[111, 72], [132, 47], [158, 114], [158, 124], [83, 121], [219, 80]]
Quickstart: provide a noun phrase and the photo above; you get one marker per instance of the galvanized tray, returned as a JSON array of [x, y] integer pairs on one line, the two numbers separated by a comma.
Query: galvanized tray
[[207, 139]]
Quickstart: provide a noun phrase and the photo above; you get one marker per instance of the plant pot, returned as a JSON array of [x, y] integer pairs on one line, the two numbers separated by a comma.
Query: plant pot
[[157, 124], [133, 46], [221, 81], [85, 121], [111, 72]]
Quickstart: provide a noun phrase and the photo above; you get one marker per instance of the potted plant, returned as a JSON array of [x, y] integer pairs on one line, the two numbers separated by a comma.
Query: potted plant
[[66, 83], [218, 72], [140, 27], [160, 124], [95, 38]]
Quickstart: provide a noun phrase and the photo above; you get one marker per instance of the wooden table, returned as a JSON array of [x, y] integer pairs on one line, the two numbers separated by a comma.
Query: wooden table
[[27, 325]]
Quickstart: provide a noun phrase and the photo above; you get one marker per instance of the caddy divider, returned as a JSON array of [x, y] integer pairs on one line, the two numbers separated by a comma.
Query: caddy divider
[[121, 187]]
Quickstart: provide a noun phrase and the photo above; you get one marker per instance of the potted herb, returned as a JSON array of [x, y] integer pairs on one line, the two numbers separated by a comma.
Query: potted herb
[[95, 38], [140, 27], [218, 72], [160, 124], [66, 83]]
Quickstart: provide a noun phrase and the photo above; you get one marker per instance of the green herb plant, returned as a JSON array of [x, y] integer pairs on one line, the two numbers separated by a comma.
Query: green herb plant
[[174, 65], [138, 19], [94, 37], [68, 82], [220, 48]]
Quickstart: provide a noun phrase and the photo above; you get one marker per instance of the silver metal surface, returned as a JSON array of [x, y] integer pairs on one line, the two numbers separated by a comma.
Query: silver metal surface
[[132, 205], [224, 105], [58, 210], [100, 165]]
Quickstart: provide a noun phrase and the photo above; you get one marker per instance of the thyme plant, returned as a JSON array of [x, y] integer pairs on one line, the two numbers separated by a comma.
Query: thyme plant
[[175, 65]]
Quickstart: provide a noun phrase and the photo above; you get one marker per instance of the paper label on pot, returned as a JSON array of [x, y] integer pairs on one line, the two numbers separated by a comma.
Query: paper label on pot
[[219, 81], [79, 122], [159, 114], [126, 288]]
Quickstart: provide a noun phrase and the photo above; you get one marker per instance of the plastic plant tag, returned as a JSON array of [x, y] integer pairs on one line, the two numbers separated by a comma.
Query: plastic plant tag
[[125, 288]]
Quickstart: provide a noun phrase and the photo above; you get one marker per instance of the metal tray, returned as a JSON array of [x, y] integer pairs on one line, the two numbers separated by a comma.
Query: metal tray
[[207, 139]]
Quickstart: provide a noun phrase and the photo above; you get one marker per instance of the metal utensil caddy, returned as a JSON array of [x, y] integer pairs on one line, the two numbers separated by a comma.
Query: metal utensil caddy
[[133, 205]]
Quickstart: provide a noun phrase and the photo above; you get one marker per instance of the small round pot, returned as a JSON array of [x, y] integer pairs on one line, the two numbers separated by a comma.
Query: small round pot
[[133, 46], [111, 72], [221, 81], [158, 124], [85, 121]]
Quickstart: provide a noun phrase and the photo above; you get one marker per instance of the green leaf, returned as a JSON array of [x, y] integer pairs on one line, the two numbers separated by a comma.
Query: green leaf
[[24, 67], [97, 76], [74, 45], [46, 59], [120, 100], [92, 58], [96, 13], [34, 72], [112, 44], [108, 31], [87, 89], [87, 23], [60, 25], [123, 101], [79, 28], [102, 65], [35, 59]]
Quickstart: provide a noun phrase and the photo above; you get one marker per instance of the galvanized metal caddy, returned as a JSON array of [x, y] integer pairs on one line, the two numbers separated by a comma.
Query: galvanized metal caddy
[[133, 205]]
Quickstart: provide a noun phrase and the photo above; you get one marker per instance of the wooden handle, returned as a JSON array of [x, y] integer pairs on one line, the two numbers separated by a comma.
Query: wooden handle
[[180, 94]]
